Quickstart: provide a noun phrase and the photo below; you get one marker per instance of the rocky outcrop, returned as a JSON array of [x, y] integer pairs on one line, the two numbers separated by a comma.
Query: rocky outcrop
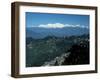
[[77, 54], [57, 61]]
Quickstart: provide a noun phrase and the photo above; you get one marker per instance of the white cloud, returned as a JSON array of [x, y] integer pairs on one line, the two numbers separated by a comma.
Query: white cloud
[[60, 25], [71, 25], [55, 25]]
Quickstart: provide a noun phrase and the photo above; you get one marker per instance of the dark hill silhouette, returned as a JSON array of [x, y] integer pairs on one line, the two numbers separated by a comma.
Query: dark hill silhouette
[[79, 54]]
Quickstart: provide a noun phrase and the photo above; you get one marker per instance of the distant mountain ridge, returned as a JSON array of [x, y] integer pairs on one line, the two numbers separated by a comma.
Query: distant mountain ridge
[[37, 32]]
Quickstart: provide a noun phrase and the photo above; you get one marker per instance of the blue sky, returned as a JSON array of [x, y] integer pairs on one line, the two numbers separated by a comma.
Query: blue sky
[[48, 20]]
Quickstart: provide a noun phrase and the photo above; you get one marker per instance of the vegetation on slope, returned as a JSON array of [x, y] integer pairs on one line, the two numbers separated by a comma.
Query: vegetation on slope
[[40, 51]]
